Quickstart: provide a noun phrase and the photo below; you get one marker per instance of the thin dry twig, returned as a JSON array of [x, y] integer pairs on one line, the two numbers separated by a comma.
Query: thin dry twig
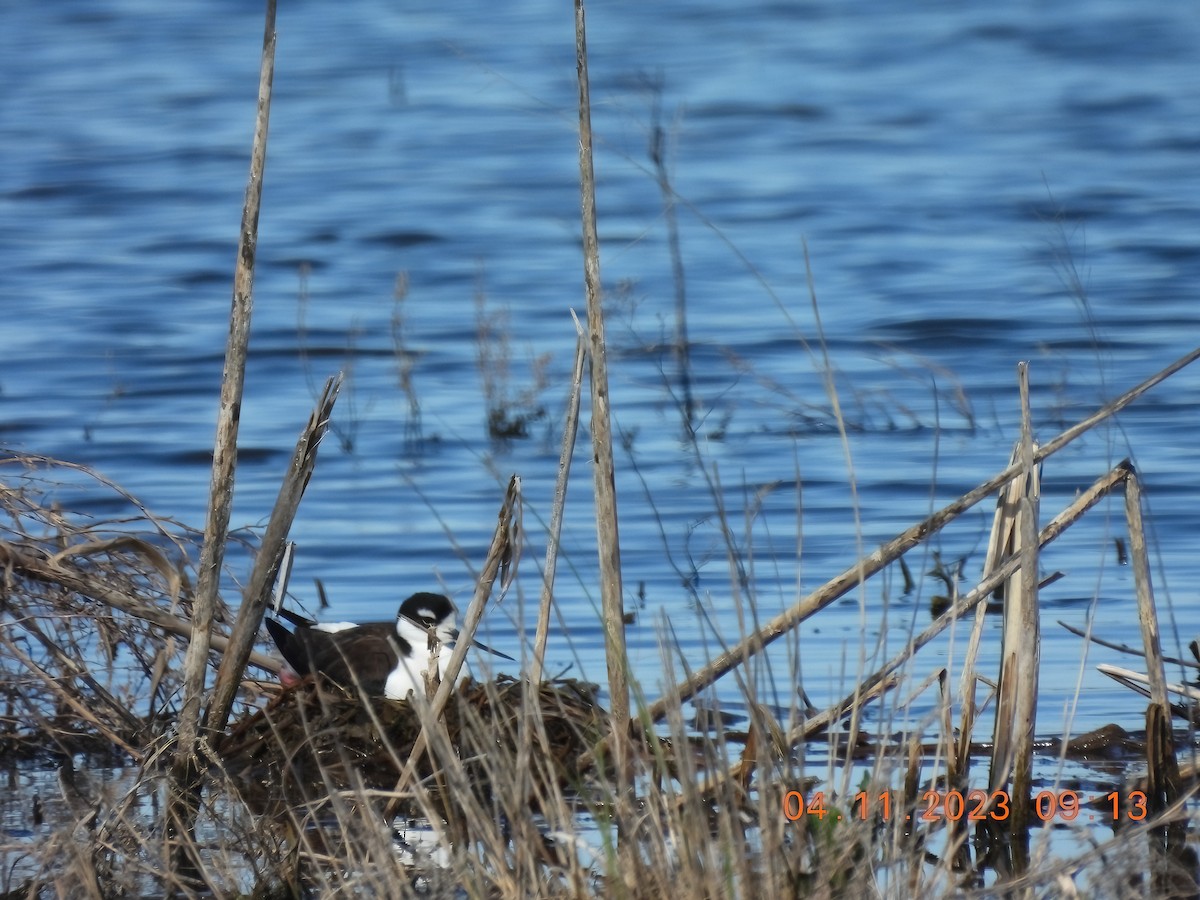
[[1125, 648], [570, 428]]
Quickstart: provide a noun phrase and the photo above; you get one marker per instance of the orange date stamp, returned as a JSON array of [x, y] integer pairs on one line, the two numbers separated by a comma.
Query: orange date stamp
[[972, 806]]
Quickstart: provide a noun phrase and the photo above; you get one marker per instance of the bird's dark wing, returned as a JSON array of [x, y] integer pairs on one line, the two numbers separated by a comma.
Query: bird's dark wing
[[362, 656]]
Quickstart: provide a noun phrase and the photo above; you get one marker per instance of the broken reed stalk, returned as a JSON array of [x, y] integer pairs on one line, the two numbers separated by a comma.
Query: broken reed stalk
[[184, 800], [266, 564], [604, 480], [1022, 632], [1140, 563], [501, 560], [570, 429], [886, 554], [1163, 766], [1002, 543]]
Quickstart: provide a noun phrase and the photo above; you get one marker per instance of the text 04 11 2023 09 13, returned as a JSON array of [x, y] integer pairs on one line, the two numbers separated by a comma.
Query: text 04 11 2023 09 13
[[974, 806]]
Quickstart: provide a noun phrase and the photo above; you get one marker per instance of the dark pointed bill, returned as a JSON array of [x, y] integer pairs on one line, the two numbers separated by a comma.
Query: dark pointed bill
[[483, 646]]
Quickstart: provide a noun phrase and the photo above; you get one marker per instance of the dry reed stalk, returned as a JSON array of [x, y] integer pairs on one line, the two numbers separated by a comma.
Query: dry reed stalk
[[1163, 765], [1015, 534], [959, 764], [229, 415], [608, 544], [1027, 618], [1147, 616], [570, 429], [1001, 541], [532, 723], [1140, 682], [266, 565], [183, 802], [947, 747], [1004, 538]]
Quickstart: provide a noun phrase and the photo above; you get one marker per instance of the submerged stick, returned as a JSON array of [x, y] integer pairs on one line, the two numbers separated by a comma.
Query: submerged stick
[[678, 275], [1124, 648], [266, 564]]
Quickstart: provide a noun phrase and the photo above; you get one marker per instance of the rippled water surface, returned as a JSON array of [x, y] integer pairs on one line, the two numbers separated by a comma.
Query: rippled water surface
[[971, 186]]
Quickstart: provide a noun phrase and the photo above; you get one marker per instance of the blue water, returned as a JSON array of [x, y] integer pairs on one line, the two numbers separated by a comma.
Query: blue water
[[973, 186]]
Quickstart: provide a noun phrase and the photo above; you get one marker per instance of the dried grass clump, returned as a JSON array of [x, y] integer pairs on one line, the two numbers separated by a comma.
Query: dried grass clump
[[83, 667]]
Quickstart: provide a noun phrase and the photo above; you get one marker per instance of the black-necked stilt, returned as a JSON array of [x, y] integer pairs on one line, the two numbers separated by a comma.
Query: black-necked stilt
[[388, 658]]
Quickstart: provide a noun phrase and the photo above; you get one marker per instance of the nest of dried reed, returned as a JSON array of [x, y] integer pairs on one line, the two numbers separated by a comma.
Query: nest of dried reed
[[318, 737]]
